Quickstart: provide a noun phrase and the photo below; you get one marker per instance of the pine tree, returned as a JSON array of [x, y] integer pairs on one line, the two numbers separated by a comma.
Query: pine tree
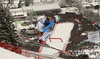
[[27, 2], [7, 32]]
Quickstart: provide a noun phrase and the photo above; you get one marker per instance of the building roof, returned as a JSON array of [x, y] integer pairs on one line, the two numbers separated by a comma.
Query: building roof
[[45, 7], [94, 3]]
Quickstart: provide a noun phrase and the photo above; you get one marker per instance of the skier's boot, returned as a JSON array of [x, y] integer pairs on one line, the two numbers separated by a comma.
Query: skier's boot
[[42, 42]]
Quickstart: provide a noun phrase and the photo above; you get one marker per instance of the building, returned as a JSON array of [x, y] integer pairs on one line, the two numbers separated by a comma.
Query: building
[[90, 1], [38, 2]]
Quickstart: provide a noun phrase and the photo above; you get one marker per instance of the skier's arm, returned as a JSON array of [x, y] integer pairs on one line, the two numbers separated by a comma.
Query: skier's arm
[[46, 28]]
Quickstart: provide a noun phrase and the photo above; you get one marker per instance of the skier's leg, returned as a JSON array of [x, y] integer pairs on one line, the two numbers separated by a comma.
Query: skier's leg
[[44, 36]]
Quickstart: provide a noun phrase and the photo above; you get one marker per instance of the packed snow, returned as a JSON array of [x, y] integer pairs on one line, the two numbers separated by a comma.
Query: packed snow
[[6, 54]]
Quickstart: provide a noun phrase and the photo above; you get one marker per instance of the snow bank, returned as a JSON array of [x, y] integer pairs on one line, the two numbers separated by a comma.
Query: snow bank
[[6, 54]]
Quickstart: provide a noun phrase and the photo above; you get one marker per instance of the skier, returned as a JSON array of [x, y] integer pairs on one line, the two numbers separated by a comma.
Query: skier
[[44, 26]]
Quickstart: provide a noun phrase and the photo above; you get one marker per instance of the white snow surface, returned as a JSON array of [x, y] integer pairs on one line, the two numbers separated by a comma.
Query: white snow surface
[[6, 54], [69, 9], [63, 31], [18, 26]]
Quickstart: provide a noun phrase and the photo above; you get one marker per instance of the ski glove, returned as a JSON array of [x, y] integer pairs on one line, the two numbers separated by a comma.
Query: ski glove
[[41, 33]]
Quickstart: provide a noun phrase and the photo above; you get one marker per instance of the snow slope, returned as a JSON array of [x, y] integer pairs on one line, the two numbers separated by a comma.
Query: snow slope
[[6, 54], [63, 31]]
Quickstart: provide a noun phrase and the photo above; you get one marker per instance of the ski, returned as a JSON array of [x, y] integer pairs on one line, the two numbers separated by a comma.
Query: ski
[[39, 44], [47, 46]]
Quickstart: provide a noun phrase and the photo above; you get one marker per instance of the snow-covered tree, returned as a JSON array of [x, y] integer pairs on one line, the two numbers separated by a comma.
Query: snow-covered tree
[[7, 32]]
